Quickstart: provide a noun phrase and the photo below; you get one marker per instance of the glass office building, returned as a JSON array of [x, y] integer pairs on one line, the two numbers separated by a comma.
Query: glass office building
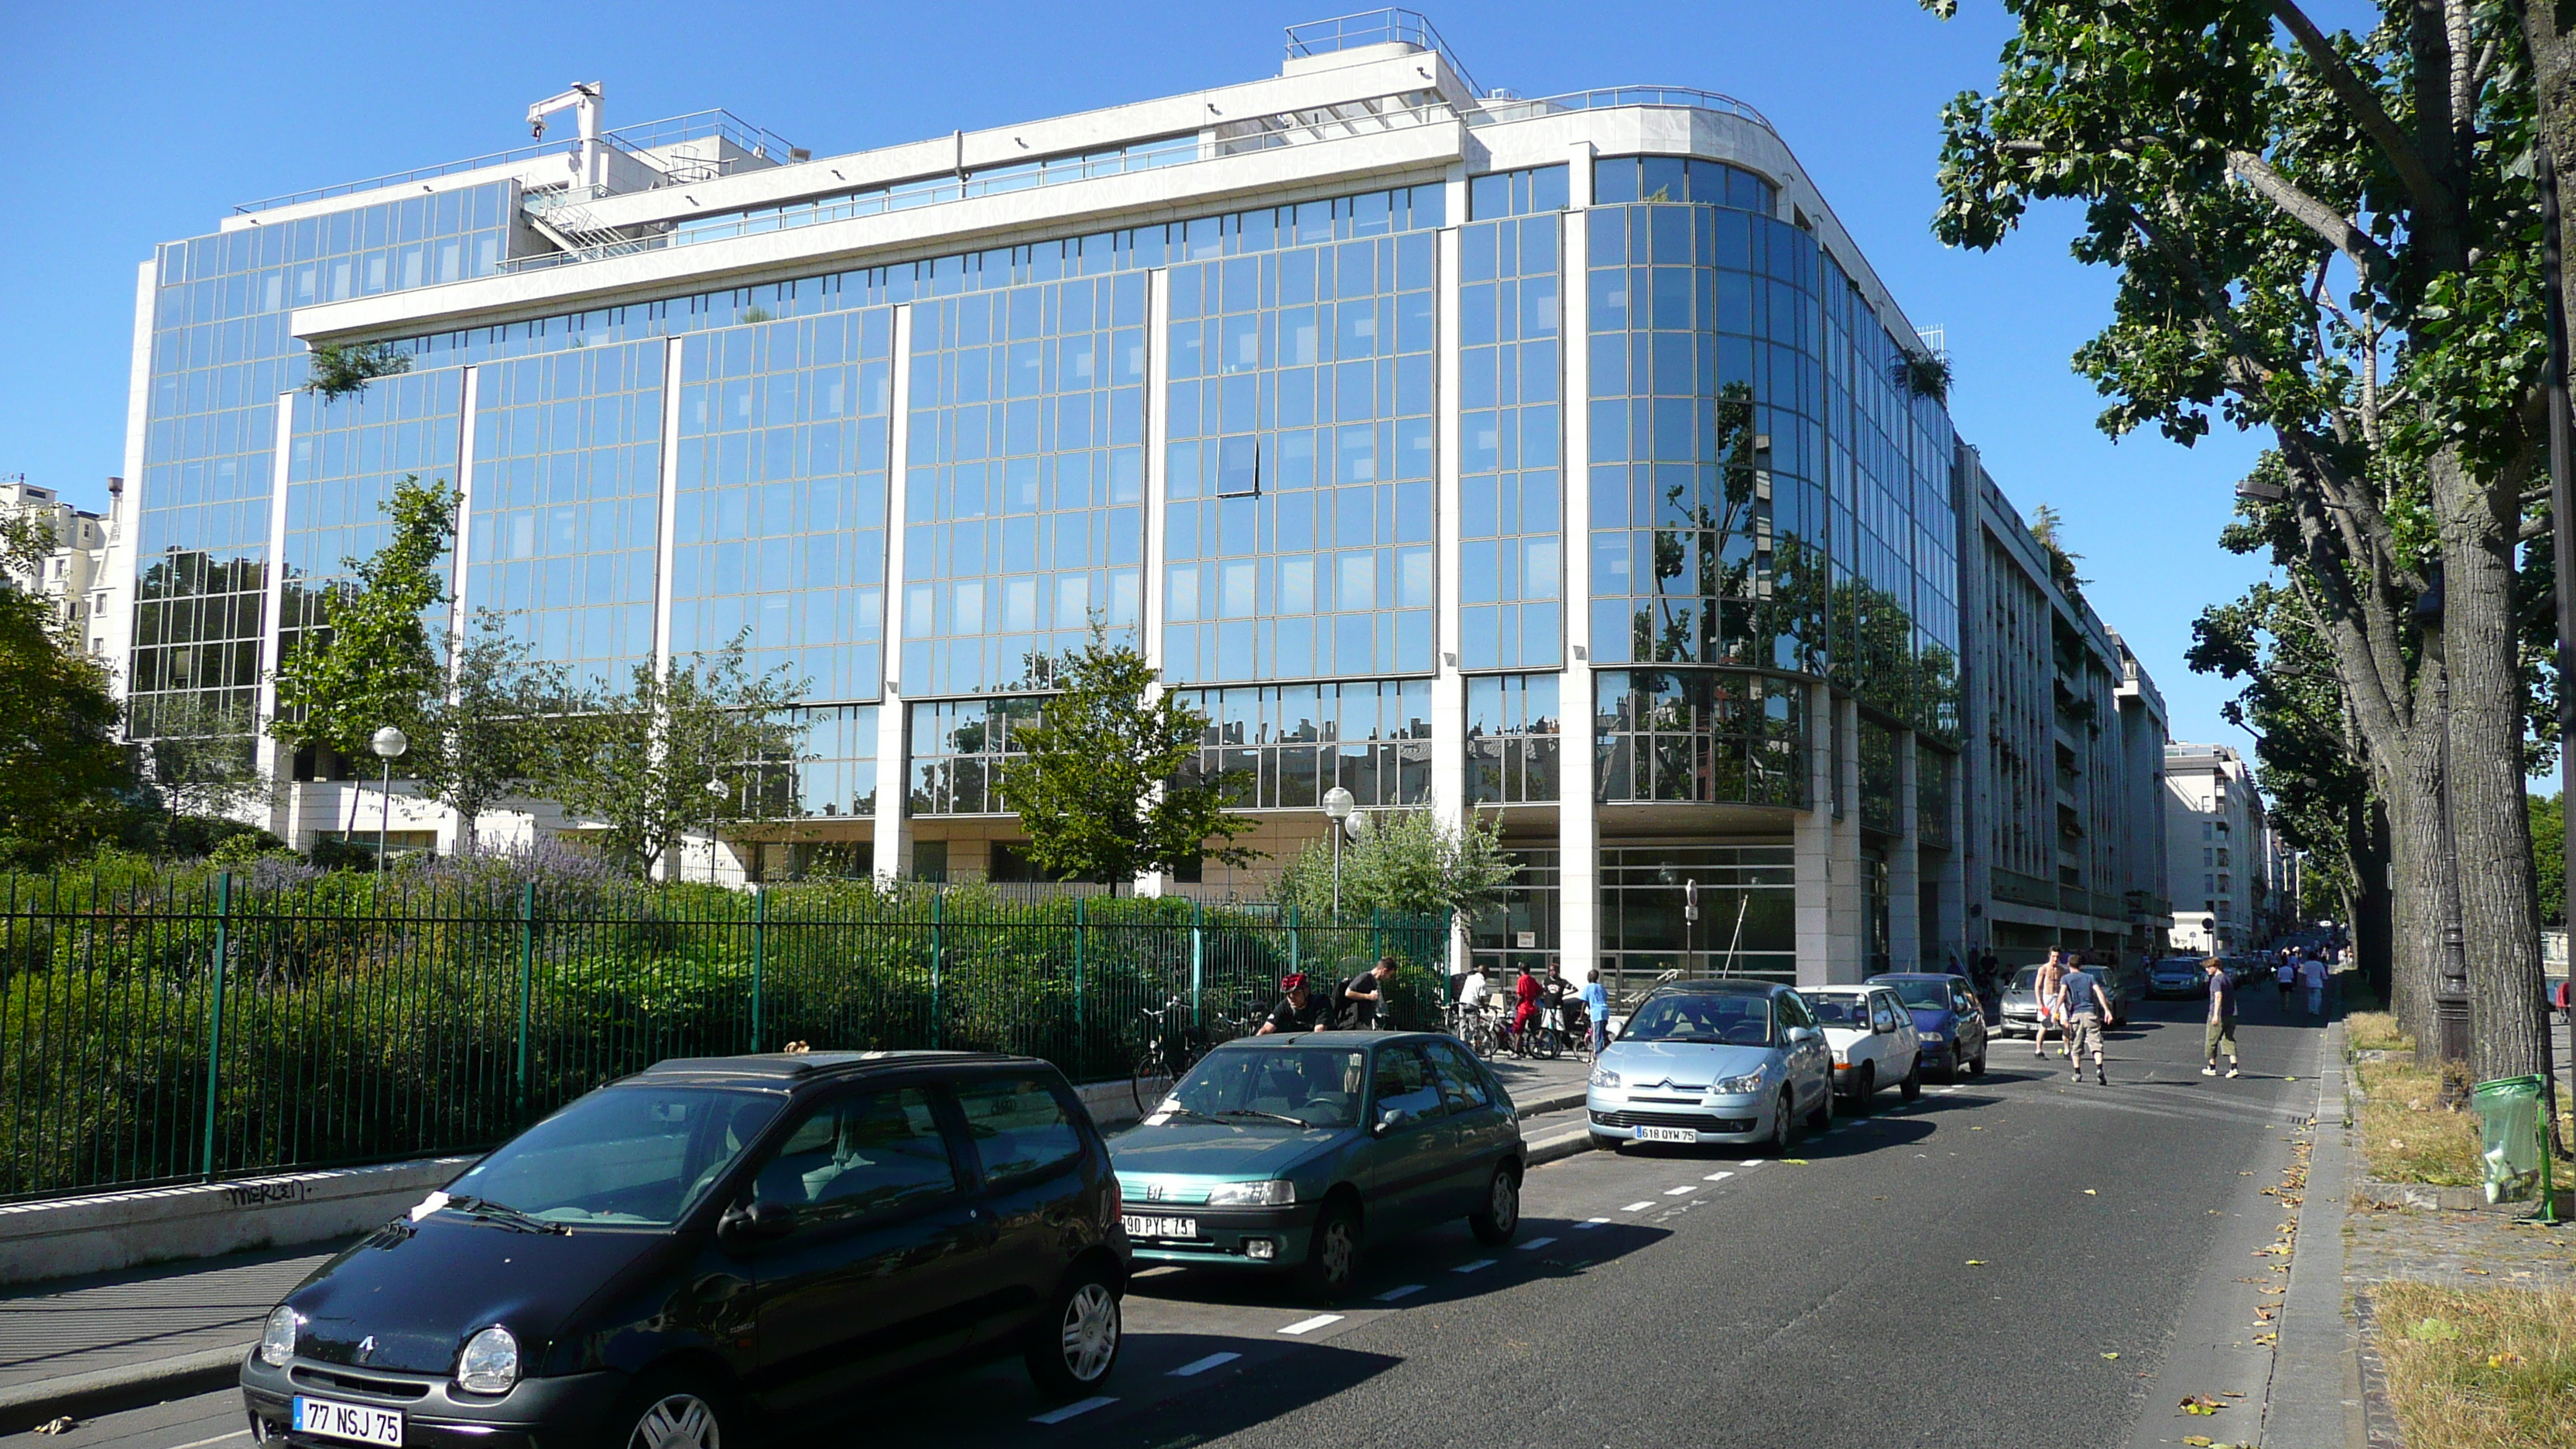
[[1556, 459]]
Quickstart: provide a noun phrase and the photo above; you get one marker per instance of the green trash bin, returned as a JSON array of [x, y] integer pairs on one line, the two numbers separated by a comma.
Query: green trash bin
[[2512, 1154]]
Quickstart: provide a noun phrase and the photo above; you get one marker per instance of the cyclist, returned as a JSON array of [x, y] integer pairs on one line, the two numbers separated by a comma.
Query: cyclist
[[1298, 1010], [1473, 992]]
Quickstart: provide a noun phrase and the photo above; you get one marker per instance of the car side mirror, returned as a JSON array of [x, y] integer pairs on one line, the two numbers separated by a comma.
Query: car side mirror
[[1395, 1117], [759, 1222], [1802, 1033]]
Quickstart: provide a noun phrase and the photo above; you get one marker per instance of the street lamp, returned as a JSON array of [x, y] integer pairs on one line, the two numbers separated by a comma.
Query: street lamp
[[716, 791], [389, 745], [1338, 804]]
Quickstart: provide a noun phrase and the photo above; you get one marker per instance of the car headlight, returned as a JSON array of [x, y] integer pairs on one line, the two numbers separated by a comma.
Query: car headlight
[[277, 1340], [1275, 1193], [1931, 1036], [490, 1363], [1604, 1077], [1743, 1086], [1840, 1059]]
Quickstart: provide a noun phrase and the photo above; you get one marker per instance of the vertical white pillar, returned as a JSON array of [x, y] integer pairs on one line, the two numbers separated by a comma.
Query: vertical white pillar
[[271, 635], [1448, 686], [460, 559], [1846, 945], [1578, 828], [126, 521], [1812, 847], [892, 842], [667, 540], [1158, 435], [1904, 868]]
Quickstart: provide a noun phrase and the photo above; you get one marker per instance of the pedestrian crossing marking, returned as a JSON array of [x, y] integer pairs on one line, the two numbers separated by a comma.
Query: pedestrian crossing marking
[[1309, 1325], [1058, 1416], [1195, 1367]]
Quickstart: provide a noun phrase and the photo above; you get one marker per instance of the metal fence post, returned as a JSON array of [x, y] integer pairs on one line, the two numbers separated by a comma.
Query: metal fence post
[[1293, 968], [1081, 1044], [1198, 961], [527, 979], [938, 901], [215, 1015], [759, 933]]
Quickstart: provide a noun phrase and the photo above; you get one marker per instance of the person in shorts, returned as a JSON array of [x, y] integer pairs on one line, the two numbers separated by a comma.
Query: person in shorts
[[1596, 1007], [2083, 1008], [2044, 990], [2222, 1018]]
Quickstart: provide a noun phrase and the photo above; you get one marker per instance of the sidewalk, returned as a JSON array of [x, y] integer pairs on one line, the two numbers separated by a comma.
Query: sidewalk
[[84, 1346]]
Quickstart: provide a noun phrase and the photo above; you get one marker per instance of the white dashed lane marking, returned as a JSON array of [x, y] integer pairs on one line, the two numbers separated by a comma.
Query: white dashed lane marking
[[1589, 1223], [1717, 1177], [1392, 1294], [1309, 1325], [1478, 1265], [1678, 1191], [1195, 1367], [1638, 1207], [1058, 1416], [1534, 1244]]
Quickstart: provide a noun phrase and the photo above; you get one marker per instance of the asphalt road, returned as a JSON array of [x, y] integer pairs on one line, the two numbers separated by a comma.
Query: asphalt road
[[1937, 1274]]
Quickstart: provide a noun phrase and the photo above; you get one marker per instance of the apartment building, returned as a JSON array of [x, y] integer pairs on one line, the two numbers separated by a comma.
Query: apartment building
[[73, 574]]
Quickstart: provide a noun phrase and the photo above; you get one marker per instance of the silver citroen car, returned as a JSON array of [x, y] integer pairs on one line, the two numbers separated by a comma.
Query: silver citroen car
[[1713, 1062]]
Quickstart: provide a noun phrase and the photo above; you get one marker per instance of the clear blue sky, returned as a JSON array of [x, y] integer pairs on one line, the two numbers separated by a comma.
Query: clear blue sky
[[136, 124]]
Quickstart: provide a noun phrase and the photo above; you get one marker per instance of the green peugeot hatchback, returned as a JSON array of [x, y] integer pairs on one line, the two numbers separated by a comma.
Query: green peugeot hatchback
[[1293, 1152]]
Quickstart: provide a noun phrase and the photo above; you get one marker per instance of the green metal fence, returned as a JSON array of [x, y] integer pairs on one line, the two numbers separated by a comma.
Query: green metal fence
[[170, 1031]]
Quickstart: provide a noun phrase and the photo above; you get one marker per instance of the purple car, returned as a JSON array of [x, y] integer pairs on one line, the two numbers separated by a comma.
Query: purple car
[[1947, 1018]]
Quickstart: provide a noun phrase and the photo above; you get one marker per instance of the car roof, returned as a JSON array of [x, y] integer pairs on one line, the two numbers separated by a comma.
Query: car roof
[[1276, 1040], [1913, 976], [1845, 988], [1722, 985], [790, 1071]]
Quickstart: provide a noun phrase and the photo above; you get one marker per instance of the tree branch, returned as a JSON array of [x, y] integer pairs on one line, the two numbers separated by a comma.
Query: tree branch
[[2335, 229], [2363, 103]]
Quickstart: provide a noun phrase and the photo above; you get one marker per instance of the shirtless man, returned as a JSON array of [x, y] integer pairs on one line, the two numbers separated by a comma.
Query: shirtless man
[[2051, 972]]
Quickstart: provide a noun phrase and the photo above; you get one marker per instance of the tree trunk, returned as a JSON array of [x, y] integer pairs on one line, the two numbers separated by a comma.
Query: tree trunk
[[2415, 852], [2368, 916], [2490, 821]]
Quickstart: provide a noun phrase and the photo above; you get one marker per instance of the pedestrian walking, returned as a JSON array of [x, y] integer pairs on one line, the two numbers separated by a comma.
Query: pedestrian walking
[[2222, 1019], [2285, 975], [2312, 975], [2083, 1007], [2044, 990], [1362, 994], [1596, 1005]]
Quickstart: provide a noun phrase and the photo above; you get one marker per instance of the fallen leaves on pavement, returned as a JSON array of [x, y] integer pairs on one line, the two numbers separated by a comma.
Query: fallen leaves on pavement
[[2201, 1404]]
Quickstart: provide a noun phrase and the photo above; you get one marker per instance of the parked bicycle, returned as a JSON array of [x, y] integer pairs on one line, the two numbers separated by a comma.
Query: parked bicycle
[[1172, 1047]]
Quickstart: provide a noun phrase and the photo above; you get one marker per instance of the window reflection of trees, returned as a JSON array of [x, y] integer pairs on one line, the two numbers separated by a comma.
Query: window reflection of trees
[[1700, 735]]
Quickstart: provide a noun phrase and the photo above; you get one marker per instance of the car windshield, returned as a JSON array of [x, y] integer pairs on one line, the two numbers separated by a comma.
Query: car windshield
[[639, 1155], [1731, 1020], [1312, 1086], [1931, 995], [2027, 979], [1833, 1010]]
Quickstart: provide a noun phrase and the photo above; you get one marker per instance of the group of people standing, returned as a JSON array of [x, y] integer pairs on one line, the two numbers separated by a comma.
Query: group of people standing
[[2071, 1000], [1584, 1009]]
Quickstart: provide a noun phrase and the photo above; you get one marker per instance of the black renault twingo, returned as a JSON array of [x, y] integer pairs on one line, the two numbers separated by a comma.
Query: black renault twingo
[[710, 1241]]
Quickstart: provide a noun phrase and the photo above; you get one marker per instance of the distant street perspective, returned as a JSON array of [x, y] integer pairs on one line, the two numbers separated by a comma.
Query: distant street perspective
[[1184, 750]]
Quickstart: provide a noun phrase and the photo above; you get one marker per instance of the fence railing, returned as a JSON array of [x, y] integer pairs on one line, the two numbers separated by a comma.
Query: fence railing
[[184, 1031]]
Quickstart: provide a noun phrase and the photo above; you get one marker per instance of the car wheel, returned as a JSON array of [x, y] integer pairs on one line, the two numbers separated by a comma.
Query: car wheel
[[1950, 1065], [1333, 1257], [1777, 1144], [1977, 1068], [1912, 1086], [673, 1413], [1821, 1117], [1500, 1219], [1074, 1345], [1864, 1087]]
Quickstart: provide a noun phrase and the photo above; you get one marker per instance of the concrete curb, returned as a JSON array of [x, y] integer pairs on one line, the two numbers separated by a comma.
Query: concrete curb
[[128, 1386], [2314, 1398], [1555, 1102]]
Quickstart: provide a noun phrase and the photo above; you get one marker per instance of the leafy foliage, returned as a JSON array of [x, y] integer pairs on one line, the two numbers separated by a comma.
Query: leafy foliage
[[343, 369], [1405, 863], [2549, 855], [374, 663], [638, 762], [64, 779], [1109, 788]]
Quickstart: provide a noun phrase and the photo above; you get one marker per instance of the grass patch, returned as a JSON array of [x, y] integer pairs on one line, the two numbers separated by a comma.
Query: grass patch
[[2369, 1031], [2405, 1144], [2493, 1368]]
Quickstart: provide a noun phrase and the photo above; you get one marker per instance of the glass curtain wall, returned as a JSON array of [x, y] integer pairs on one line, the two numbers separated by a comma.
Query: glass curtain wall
[[779, 537], [1747, 922], [1511, 485], [1024, 495], [1514, 735], [1301, 512], [567, 502], [220, 356], [1293, 742]]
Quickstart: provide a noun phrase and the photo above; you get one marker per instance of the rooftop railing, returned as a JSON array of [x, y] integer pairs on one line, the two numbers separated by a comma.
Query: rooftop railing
[[669, 131], [1293, 129], [1495, 110], [1375, 27]]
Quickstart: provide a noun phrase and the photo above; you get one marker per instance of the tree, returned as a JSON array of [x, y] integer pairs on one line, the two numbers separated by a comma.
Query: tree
[[2330, 238], [1109, 787], [638, 762], [1405, 863], [341, 369], [373, 663], [64, 779], [492, 731], [2548, 847]]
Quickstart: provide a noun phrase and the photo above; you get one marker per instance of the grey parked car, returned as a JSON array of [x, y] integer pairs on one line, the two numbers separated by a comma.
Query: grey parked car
[[2021, 1003], [1702, 1062]]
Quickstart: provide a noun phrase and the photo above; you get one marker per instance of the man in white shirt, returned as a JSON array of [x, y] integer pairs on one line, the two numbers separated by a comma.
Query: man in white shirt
[[2312, 975]]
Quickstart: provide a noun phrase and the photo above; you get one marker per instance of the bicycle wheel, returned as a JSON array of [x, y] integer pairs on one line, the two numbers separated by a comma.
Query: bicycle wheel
[[1548, 1042], [1149, 1080]]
